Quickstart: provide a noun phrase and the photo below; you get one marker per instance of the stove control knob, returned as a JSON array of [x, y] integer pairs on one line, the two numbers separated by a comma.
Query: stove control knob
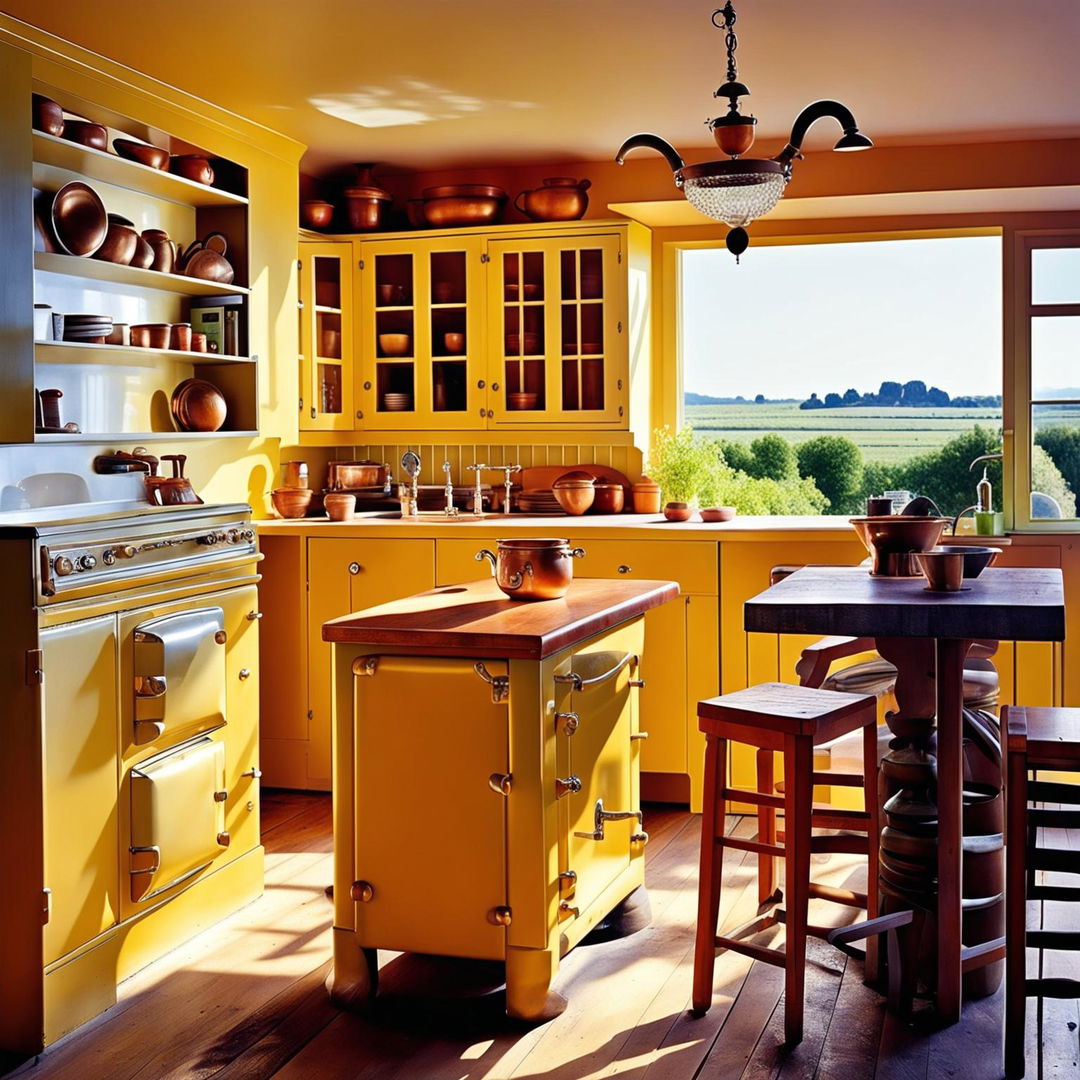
[[85, 562], [63, 565], [234, 536], [124, 551], [248, 535], [209, 539]]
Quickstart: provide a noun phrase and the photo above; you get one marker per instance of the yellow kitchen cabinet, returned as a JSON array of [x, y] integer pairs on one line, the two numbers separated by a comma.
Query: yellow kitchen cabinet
[[516, 327], [312, 581], [421, 344], [326, 337], [682, 643], [524, 749]]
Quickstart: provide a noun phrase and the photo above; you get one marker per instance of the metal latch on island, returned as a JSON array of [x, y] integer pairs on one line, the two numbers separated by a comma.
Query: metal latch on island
[[500, 684]]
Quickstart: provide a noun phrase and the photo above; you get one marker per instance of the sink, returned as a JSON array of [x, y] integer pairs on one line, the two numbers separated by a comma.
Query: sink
[[437, 517]]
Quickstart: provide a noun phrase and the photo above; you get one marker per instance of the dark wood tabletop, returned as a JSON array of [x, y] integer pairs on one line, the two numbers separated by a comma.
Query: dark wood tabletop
[[478, 619], [1003, 604]]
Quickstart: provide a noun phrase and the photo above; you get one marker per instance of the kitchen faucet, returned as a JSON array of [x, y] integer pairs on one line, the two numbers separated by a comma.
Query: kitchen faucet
[[984, 493], [450, 509], [507, 471]]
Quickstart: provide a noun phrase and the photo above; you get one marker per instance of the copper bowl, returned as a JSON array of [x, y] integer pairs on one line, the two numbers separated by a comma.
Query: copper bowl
[[364, 207], [316, 214], [209, 266], [291, 502], [154, 157], [893, 540], [87, 133], [79, 221], [574, 496], [47, 115], [192, 167], [976, 559], [560, 199], [120, 242], [532, 569], [463, 204], [198, 405]]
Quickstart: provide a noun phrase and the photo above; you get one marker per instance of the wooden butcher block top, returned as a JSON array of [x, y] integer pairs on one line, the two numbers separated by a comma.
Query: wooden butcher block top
[[478, 619]]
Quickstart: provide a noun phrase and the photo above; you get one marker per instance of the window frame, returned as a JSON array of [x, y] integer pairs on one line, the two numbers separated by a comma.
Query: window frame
[[1016, 411]]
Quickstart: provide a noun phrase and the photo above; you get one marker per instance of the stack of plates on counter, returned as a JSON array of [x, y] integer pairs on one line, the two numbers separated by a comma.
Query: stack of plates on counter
[[87, 328], [539, 501], [397, 402]]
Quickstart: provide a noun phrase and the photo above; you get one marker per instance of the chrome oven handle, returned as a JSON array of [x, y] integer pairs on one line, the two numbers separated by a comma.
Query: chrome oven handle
[[579, 683], [151, 686]]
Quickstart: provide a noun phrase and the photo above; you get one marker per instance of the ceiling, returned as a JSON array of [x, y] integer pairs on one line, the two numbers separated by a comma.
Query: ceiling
[[481, 82]]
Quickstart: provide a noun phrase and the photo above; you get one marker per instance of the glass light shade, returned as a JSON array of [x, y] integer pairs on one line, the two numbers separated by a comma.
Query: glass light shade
[[735, 198]]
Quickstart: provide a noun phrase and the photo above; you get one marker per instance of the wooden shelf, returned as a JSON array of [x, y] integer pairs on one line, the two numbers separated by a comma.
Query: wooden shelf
[[113, 169], [59, 352], [74, 266], [137, 437]]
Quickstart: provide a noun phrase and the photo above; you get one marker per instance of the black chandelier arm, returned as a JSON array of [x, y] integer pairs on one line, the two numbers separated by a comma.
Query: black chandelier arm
[[651, 142], [813, 112]]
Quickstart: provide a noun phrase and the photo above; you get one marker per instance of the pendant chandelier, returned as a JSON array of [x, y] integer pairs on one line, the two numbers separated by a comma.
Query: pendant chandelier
[[736, 190]]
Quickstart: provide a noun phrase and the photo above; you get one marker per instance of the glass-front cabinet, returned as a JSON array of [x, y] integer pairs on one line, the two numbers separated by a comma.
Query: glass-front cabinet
[[555, 329], [326, 337], [421, 348]]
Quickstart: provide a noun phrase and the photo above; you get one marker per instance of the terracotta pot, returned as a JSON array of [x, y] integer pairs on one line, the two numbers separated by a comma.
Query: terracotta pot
[[339, 505], [717, 513], [291, 502], [610, 498], [646, 496], [678, 511], [533, 569]]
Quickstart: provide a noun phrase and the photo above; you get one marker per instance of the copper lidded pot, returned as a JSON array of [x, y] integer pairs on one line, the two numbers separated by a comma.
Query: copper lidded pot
[[533, 569]]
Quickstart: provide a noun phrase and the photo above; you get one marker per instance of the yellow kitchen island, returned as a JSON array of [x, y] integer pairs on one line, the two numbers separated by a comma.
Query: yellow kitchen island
[[486, 791]]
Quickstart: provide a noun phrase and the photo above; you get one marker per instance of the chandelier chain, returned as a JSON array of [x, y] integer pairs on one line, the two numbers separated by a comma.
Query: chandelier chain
[[731, 42]]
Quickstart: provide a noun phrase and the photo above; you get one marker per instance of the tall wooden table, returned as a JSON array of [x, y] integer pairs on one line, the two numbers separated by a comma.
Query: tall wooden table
[[1004, 604]]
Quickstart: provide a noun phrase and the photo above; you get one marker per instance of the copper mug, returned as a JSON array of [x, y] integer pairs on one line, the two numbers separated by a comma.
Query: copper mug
[[532, 569]]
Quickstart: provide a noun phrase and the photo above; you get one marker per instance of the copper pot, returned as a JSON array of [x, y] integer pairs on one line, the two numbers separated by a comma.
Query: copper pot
[[560, 199], [350, 475], [533, 569]]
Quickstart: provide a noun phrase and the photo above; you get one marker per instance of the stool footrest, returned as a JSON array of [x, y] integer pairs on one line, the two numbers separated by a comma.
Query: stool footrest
[[839, 779], [839, 844], [756, 846], [1053, 819], [837, 896], [758, 798], [755, 952], [1054, 892], [833, 817], [1060, 859], [973, 957]]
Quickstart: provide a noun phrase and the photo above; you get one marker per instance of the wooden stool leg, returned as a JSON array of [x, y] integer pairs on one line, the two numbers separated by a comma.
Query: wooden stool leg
[[798, 800], [710, 872], [768, 893], [1015, 913], [873, 839]]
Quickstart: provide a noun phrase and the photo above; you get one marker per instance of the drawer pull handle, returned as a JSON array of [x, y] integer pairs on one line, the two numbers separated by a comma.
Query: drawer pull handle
[[362, 892], [639, 735], [639, 683], [600, 816], [501, 783], [624, 569], [570, 721], [151, 686], [244, 673], [578, 683]]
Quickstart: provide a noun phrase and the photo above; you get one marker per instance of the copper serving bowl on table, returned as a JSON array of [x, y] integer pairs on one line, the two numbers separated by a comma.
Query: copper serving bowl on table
[[533, 569], [463, 204], [893, 541]]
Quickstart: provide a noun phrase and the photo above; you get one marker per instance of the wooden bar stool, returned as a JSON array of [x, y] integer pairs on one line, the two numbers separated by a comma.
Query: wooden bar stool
[[1036, 739], [793, 720]]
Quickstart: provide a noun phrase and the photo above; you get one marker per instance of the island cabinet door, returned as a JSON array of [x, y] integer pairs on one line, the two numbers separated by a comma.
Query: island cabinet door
[[598, 721], [430, 827]]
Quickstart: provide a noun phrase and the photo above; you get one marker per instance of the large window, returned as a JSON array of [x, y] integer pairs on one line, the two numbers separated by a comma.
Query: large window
[[879, 362]]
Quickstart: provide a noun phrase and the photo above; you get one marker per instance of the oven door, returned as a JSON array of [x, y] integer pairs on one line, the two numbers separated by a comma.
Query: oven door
[[177, 815], [179, 669]]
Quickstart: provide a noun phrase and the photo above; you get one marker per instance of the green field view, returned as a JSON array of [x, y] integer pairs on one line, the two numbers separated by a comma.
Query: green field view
[[882, 433]]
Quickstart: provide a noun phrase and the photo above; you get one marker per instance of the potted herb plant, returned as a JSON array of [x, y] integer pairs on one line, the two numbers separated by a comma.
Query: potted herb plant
[[681, 465]]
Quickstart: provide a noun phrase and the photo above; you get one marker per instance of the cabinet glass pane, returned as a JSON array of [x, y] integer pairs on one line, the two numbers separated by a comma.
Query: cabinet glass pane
[[1056, 434], [449, 387], [394, 386], [330, 396], [1055, 357], [327, 282], [393, 280], [581, 286], [328, 335], [1055, 275]]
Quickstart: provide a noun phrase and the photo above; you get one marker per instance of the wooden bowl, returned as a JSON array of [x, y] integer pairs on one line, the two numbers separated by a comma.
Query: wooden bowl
[[291, 502], [316, 214], [79, 221], [154, 157], [575, 497], [192, 167], [47, 115], [87, 133], [119, 244], [395, 344], [198, 405]]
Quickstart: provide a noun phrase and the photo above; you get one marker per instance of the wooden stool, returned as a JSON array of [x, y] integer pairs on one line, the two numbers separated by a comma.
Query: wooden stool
[[793, 720], [1036, 739]]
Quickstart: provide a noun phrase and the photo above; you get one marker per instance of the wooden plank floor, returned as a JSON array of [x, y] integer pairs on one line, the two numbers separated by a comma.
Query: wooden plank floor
[[246, 998]]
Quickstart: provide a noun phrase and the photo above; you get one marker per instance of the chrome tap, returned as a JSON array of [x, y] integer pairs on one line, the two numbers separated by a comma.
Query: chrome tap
[[478, 498], [410, 500], [450, 509], [507, 471]]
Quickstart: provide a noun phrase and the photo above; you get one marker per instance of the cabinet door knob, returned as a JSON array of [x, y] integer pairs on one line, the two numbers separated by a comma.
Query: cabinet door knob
[[624, 569], [367, 385], [244, 673], [355, 568], [494, 386], [480, 384], [252, 616], [570, 786]]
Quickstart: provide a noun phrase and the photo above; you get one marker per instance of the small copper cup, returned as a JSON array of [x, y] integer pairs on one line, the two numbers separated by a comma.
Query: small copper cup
[[878, 506], [943, 570], [139, 336], [198, 342], [180, 337]]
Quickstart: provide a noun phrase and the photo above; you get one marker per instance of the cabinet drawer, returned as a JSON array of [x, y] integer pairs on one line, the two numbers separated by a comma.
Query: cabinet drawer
[[692, 563]]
